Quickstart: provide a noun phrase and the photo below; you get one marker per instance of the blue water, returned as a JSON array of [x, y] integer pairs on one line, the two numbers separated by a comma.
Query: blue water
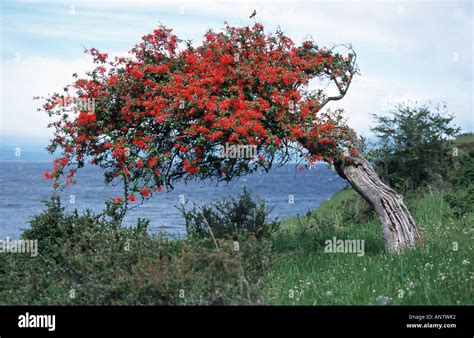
[[22, 188]]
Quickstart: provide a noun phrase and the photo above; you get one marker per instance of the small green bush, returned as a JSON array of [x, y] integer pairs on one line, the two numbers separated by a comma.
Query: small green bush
[[414, 147], [347, 207], [230, 217], [461, 201], [462, 174], [356, 210]]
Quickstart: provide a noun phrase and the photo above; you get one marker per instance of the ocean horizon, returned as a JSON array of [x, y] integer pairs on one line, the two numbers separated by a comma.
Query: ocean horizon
[[289, 190]]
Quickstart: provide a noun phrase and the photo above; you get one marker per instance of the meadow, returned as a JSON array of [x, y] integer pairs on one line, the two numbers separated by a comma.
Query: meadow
[[437, 272]]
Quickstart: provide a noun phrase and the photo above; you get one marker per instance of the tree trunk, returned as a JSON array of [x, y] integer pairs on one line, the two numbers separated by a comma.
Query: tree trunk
[[398, 227]]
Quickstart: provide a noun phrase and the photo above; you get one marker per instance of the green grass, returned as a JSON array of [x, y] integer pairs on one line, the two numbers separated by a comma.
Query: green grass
[[332, 207], [465, 140], [433, 273]]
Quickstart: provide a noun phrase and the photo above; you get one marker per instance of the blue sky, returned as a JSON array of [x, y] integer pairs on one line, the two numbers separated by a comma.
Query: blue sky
[[418, 51]]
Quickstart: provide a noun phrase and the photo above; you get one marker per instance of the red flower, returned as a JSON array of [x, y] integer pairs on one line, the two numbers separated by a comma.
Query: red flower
[[189, 168], [64, 161], [86, 118], [226, 59], [132, 198], [139, 143], [145, 192], [241, 130], [137, 73], [233, 138], [118, 152], [209, 117], [214, 136], [192, 170], [152, 161], [102, 56], [117, 200]]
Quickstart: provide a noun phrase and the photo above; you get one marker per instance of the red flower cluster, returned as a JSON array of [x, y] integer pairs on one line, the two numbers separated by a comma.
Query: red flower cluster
[[162, 114]]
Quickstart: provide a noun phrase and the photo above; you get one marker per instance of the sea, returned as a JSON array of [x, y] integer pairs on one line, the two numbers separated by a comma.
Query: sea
[[288, 189]]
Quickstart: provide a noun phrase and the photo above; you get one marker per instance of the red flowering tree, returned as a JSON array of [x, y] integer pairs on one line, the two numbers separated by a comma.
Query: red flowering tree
[[164, 113]]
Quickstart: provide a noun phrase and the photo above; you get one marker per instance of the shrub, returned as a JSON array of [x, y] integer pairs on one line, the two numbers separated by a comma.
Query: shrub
[[355, 210], [230, 217], [414, 145], [463, 173], [99, 263], [461, 201], [345, 208]]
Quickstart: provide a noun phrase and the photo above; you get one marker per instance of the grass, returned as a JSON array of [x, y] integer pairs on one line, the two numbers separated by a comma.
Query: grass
[[437, 272], [464, 142]]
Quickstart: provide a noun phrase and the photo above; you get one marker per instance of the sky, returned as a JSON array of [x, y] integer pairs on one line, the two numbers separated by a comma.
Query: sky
[[417, 51]]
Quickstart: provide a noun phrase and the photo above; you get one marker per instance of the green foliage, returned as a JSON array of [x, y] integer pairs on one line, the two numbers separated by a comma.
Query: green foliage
[[230, 217], [461, 201], [462, 174], [99, 263], [414, 146], [353, 210], [48, 227], [346, 208]]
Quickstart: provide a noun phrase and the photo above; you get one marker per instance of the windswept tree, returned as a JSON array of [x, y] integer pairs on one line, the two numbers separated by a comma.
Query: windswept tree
[[163, 114]]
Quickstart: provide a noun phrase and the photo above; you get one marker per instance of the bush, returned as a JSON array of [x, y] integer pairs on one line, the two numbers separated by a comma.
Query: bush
[[461, 201], [463, 173], [414, 150], [355, 210], [87, 260], [230, 218], [345, 208]]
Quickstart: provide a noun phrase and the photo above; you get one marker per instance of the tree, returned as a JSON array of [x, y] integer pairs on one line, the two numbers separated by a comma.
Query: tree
[[163, 114], [414, 148]]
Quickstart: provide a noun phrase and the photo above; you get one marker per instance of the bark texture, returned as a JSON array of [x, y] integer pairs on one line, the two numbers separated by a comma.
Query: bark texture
[[398, 227]]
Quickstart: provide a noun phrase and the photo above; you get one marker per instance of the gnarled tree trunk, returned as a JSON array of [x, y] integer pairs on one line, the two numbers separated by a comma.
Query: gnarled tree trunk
[[398, 227]]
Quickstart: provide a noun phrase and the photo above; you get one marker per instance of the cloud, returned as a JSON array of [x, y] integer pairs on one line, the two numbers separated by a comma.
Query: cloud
[[379, 95], [25, 78], [420, 51]]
